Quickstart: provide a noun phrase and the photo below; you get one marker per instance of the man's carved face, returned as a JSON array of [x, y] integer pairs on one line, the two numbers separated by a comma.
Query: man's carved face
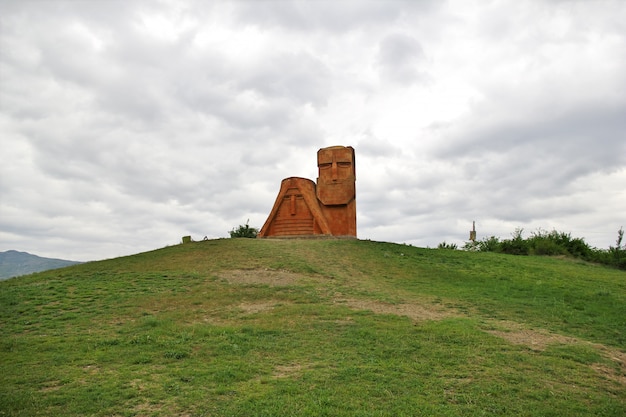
[[335, 184]]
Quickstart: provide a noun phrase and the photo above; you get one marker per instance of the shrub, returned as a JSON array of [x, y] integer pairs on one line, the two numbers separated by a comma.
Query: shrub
[[551, 243], [490, 244], [546, 247], [618, 252], [579, 248], [244, 231], [471, 246], [515, 246], [444, 245]]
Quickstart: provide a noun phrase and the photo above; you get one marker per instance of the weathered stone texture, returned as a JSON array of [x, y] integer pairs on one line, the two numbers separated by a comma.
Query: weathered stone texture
[[327, 208]]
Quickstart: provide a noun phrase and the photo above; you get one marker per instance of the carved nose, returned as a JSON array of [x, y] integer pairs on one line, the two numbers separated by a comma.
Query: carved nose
[[334, 171]]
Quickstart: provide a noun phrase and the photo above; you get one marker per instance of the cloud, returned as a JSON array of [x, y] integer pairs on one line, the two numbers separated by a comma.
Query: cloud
[[331, 16], [300, 78], [127, 124], [399, 58]]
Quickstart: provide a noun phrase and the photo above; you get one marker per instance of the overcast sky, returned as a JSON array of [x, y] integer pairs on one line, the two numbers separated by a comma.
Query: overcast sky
[[125, 125]]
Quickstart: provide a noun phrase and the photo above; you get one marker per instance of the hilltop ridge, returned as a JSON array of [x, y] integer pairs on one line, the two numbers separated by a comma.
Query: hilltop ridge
[[315, 327]]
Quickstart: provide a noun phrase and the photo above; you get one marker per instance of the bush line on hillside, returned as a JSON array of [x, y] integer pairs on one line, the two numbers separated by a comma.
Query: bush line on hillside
[[554, 243]]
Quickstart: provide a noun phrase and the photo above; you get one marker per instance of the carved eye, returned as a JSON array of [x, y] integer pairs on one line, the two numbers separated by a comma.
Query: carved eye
[[325, 165], [344, 164]]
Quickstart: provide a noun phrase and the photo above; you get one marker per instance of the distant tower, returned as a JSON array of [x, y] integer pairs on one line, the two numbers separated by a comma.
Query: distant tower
[[473, 232]]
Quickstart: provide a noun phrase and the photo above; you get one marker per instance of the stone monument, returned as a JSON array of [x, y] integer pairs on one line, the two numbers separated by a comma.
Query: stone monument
[[328, 208]]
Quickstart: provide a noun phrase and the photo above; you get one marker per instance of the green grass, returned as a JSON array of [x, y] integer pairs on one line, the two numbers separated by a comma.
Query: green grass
[[244, 327]]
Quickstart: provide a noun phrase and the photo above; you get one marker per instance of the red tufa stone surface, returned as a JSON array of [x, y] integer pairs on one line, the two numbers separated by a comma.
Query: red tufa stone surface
[[304, 209]]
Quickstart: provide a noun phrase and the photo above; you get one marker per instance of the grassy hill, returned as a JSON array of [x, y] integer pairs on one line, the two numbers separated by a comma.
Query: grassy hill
[[245, 327]]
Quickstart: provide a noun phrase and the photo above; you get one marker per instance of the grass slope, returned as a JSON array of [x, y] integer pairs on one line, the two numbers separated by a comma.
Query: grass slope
[[243, 327]]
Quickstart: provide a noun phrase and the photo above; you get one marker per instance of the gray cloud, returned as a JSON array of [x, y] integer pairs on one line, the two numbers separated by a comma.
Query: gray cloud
[[401, 59], [330, 16], [127, 124], [301, 78]]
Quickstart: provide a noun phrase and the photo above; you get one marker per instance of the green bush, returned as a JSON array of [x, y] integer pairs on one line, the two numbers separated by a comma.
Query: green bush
[[515, 246], [548, 244], [444, 245], [546, 247], [542, 242], [244, 231], [490, 244], [618, 252]]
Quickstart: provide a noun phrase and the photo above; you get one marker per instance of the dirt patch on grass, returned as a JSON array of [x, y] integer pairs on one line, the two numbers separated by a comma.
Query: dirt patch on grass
[[258, 307], [610, 373], [269, 277], [516, 333], [417, 312], [616, 356], [287, 371], [536, 339], [50, 386], [147, 409], [539, 339], [91, 369]]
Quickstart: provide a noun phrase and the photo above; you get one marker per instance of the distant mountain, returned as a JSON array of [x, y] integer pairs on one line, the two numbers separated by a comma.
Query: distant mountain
[[14, 263]]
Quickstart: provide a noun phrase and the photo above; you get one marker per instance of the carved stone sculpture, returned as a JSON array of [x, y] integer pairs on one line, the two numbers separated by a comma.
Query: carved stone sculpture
[[303, 208]]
